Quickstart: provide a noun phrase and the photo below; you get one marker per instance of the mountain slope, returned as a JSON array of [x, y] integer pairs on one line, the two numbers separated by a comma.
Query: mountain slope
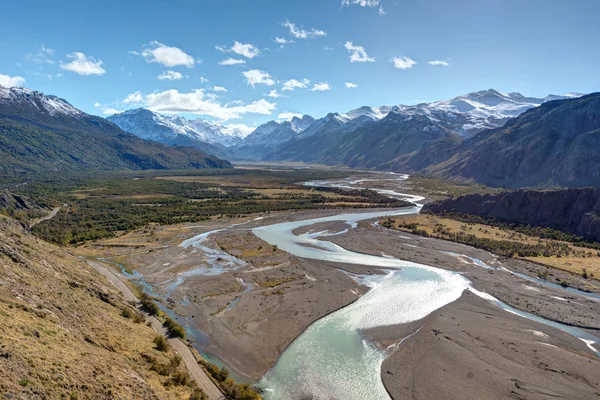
[[173, 130], [62, 333], [556, 144], [271, 135], [374, 137], [45, 133], [575, 211]]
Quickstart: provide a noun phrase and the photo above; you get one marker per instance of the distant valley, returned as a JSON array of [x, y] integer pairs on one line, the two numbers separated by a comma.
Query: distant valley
[[457, 138]]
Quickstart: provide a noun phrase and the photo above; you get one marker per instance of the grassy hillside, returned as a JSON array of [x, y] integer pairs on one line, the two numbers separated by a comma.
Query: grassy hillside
[[63, 332]]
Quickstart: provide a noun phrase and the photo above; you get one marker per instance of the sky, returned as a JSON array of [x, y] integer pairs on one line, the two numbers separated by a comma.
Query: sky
[[245, 62]]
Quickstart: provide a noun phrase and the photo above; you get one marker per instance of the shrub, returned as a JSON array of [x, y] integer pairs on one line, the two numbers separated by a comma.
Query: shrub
[[161, 343], [126, 313], [174, 328]]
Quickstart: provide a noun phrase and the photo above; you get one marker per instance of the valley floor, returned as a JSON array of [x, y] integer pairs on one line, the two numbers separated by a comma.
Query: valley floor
[[244, 311]]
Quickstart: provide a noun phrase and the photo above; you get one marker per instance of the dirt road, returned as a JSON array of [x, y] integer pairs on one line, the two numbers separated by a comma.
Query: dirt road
[[50, 215], [188, 358]]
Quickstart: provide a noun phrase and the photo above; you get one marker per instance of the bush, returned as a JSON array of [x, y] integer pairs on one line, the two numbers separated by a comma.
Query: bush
[[148, 304], [161, 343], [198, 394], [174, 328], [126, 313]]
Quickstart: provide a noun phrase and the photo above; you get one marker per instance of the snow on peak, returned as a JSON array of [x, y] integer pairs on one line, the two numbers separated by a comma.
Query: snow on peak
[[52, 105], [150, 125]]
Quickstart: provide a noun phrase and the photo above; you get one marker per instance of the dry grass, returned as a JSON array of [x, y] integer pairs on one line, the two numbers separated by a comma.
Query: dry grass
[[61, 330], [572, 263]]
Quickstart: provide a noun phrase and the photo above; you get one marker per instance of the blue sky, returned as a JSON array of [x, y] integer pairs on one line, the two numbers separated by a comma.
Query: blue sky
[[535, 47]]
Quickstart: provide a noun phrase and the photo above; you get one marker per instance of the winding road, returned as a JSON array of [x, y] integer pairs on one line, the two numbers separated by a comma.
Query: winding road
[[195, 370]]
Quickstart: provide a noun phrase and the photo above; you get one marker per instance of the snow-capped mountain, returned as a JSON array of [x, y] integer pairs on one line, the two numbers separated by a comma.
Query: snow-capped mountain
[[41, 133], [52, 105], [176, 130], [368, 136]]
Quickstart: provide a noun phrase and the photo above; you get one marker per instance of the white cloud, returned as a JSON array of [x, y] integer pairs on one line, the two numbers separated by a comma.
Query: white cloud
[[258, 77], [299, 33], [242, 129], [281, 40], [321, 87], [362, 3], [232, 61], [44, 56], [439, 62], [96, 104], [199, 102], [156, 52], [110, 111], [381, 11], [219, 89], [274, 94], [10, 81], [288, 115], [135, 97], [295, 84], [170, 76], [357, 53], [83, 65], [403, 62], [350, 85], [247, 50], [203, 79]]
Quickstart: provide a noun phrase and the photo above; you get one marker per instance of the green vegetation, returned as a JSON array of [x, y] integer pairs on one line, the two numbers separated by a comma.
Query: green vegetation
[[147, 304], [449, 188], [161, 343], [174, 328], [507, 248], [232, 390], [102, 205], [536, 231]]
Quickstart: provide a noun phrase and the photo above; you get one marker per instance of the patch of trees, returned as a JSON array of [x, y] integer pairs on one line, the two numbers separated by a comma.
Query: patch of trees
[[529, 230], [232, 390]]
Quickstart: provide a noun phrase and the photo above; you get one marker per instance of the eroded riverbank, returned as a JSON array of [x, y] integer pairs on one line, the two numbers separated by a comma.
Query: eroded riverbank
[[295, 282]]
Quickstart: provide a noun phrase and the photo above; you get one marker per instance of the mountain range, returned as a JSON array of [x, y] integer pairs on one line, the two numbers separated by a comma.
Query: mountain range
[[364, 137], [490, 137], [40, 133]]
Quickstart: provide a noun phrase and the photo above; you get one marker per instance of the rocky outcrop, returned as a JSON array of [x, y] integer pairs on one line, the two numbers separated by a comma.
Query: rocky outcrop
[[575, 211]]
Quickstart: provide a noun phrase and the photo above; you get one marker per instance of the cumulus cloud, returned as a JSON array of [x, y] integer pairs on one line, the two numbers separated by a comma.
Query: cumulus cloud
[[83, 65], [156, 52], [439, 62], [199, 102], [280, 40], [243, 49], [203, 79], [274, 94], [43, 56], [135, 97], [219, 89], [300, 33], [357, 53], [232, 61], [110, 111], [288, 115], [403, 62], [350, 85], [295, 84], [257, 77], [170, 76], [242, 130], [10, 81], [321, 87]]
